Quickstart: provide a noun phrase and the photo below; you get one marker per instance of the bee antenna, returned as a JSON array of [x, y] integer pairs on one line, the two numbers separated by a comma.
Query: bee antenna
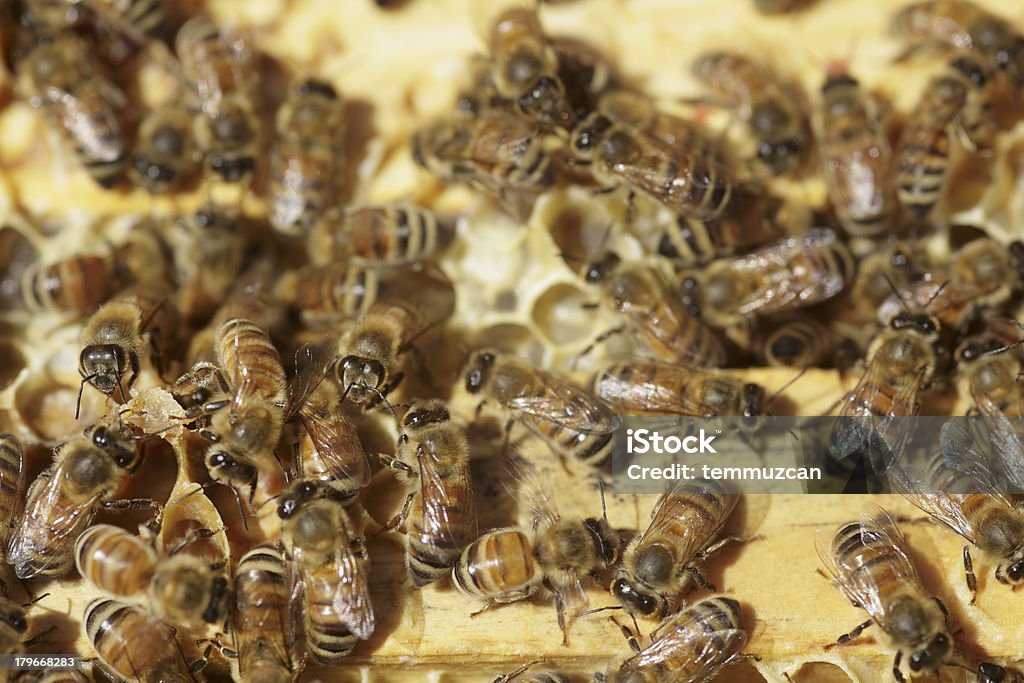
[[604, 508], [197, 489], [1006, 347], [895, 290], [936, 294], [241, 508], [81, 387], [505, 678], [35, 600], [605, 237], [588, 612], [384, 399], [787, 385]]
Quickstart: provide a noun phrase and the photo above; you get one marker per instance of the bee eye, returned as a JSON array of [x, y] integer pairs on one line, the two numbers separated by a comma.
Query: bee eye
[[1016, 572], [307, 489], [100, 437], [286, 509]]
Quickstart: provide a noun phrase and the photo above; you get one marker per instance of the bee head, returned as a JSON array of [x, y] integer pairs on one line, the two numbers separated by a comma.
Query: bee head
[[587, 135], [293, 499], [753, 405], [361, 377], [779, 155], [121, 451], [599, 270], [478, 370], [319, 87], [422, 414], [225, 466], [933, 655], [104, 364], [155, 176], [545, 102], [638, 599], [1012, 572], [989, 672], [970, 69], [14, 617], [232, 168], [922, 323]]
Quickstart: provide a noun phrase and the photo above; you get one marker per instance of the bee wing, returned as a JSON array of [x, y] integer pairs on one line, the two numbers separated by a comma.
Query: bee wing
[[962, 451], [1007, 439], [569, 406], [99, 139], [944, 507], [437, 504], [48, 525], [858, 585], [701, 528], [779, 259], [293, 624], [312, 361], [657, 397], [711, 651], [352, 597], [338, 445]]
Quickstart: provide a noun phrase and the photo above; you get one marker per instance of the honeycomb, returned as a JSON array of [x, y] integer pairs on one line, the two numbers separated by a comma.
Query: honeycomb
[[517, 290]]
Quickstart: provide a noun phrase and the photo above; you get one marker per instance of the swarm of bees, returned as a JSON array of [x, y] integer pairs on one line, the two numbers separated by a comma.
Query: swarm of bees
[[321, 374]]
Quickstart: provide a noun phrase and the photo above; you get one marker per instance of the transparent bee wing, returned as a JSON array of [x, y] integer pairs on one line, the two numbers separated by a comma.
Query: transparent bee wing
[[312, 361], [352, 597], [49, 526], [438, 505], [569, 406], [700, 528], [337, 444], [711, 650]]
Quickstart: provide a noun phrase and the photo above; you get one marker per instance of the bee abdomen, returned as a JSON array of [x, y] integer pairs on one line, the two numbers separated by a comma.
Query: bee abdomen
[[114, 560], [495, 565]]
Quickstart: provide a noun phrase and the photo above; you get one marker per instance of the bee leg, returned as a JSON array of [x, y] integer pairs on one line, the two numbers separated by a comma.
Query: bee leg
[[897, 674], [398, 520], [721, 543], [699, 578], [972, 580], [631, 638], [192, 536], [598, 339], [132, 504], [847, 637], [39, 636]]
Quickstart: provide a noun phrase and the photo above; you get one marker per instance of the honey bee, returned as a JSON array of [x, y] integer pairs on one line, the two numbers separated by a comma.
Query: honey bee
[[869, 564], [12, 477], [115, 336], [306, 160], [855, 155], [992, 378], [331, 292], [216, 62], [990, 672], [387, 235], [959, 24], [370, 351], [922, 162], [62, 77], [896, 266], [63, 500], [13, 626], [328, 569], [132, 645], [507, 565], [659, 317], [690, 646], [77, 284], [688, 181], [653, 388], [571, 420], [164, 154], [432, 459], [793, 273], [659, 564], [900, 362], [770, 106], [981, 274], [495, 152], [245, 434], [202, 385], [963, 489], [228, 139], [181, 589], [207, 250], [261, 616], [334, 453], [525, 65]]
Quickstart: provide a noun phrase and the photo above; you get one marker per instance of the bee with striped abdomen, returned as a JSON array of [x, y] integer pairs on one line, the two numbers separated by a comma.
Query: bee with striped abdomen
[[869, 564], [384, 235], [659, 564], [12, 480], [439, 516], [132, 645], [262, 616]]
